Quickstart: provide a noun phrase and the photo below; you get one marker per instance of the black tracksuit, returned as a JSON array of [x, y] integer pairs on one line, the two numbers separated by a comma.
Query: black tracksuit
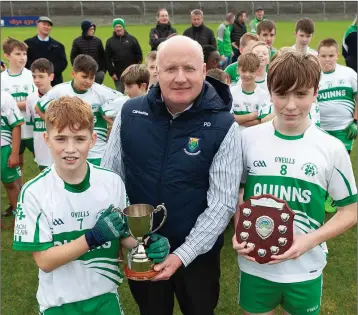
[[121, 52], [51, 50], [238, 30], [162, 31], [202, 34]]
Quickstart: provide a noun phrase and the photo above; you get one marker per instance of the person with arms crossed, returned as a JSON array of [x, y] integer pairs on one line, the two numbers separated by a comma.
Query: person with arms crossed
[[302, 165], [11, 121], [162, 30], [84, 87], [44, 46], [42, 73], [179, 145], [75, 232], [249, 99]]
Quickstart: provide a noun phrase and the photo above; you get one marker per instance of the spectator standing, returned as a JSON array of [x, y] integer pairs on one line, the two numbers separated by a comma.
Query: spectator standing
[[162, 30], [259, 17], [238, 30], [44, 46], [122, 50], [349, 47], [198, 31], [224, 40], [88, 44]]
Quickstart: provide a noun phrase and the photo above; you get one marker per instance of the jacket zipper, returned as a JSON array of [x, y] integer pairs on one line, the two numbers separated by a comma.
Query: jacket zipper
[[164, 162]]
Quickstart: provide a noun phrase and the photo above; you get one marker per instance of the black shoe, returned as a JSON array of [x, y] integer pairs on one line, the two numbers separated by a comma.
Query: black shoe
[[8, 212]]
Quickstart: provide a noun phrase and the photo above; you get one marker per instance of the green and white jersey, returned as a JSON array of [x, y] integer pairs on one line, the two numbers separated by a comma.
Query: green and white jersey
[[309, 50], [260, 83], [245, 103], [301, 170], [10, 117], [336, 98], [43, 155], [95, 96], [111, 108], [51, 213], [19, 86]]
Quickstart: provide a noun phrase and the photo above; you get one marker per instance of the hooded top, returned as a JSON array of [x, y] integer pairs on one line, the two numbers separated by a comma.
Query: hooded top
[[85, 26], [168, 160]]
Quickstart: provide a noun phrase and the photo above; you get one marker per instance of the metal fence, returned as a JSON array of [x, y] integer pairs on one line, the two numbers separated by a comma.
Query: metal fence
[[145, 11]]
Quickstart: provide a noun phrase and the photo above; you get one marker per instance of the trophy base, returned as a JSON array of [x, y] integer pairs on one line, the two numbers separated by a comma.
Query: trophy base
[[139, 275]]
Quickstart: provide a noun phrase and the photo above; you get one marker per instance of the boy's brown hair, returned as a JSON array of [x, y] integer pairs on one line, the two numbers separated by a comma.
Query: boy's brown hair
[[135, 74], [69, 111], [260, 43], [244, 40], [151, 56], [291, 70], [305, 25], [248, 62], [86, 64], [265, 25], [9, 44], [328, 42], [219, 75], [42, 65]]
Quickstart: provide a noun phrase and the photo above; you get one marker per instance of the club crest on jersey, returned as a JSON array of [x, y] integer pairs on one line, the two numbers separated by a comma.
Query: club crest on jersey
[[192, 147], [310, 169]]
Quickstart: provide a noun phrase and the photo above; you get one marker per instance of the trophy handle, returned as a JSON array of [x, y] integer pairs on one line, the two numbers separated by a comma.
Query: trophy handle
[[157, 209]]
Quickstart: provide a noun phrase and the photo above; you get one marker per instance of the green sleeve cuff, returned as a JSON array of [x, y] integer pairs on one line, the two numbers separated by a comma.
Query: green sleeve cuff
[[101, 111], [32, 247], [346, 201], [17, 123]]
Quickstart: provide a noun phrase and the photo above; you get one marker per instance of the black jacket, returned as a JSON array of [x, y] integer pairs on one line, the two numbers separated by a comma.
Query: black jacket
[[162, 31], [51, 50], [202, 34], [237, 31], [122, 52], [89, 45]]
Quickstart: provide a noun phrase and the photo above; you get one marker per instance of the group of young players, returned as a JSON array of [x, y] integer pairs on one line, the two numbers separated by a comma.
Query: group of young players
[[302, 164]]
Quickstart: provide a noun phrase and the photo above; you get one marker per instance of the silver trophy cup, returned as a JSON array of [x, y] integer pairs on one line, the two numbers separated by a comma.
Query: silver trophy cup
[[140, 225]]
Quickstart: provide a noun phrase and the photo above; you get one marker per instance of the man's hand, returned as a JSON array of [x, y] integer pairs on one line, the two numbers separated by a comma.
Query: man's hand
[[109, 226], [351, 130], [167, 268], [301, 244], [157, 248], [155, 36], [13, 160], [241, 250], [114, 77]]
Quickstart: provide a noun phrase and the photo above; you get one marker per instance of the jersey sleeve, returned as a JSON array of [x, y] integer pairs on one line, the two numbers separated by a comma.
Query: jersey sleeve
[[111, 108], [353, 81], [32, 231], [29, 111], [13, 114], [244, 157], [265, 108], [341, 186], [45, 100]]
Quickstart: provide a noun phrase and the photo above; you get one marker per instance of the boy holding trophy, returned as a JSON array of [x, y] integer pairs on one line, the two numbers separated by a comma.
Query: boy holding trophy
[[297, 162], [66, 218]]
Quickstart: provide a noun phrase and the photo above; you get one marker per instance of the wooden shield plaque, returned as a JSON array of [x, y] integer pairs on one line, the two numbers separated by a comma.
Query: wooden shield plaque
[[265, 223]]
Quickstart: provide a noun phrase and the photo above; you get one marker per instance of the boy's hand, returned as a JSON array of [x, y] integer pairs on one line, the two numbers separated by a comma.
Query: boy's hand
[[110, 226], [351, 130], [241, 250], [13, 160], [157, 248]]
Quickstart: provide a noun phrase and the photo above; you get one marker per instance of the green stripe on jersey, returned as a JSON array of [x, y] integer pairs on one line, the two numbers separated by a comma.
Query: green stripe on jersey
[[336, 93], [345, 181], [299, 194], [30, 182]]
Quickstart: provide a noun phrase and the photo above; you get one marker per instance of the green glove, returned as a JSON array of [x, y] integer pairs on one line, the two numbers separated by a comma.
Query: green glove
[[351, 130], [157, 248], [109, 226]]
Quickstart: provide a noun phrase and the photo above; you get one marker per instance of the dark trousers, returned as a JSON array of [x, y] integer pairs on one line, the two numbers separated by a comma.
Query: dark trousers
[[99, 77], [196, 288]]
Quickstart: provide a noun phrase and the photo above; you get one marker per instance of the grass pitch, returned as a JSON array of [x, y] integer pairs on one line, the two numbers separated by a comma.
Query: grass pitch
[[19, 272]]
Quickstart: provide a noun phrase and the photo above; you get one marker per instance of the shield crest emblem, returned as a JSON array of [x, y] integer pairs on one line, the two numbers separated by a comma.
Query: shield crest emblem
[[192, 147]]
